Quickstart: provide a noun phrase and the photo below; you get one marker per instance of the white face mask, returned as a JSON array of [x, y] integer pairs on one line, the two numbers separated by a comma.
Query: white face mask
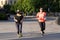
[[18, 15]]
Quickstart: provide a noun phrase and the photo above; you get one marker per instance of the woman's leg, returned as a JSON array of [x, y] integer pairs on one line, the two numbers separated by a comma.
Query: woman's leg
[[42, 26], [20, 30], [17, 25], [20, 27]]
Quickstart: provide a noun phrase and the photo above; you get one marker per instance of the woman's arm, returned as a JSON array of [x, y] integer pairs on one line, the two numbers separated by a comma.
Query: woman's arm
[[15, 19]]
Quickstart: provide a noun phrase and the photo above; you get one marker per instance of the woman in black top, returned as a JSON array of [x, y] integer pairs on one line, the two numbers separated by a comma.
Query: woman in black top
[[18, 18]]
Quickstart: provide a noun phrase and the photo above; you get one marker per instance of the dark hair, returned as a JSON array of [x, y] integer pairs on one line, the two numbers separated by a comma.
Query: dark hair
[[18, 12], [43, 9]]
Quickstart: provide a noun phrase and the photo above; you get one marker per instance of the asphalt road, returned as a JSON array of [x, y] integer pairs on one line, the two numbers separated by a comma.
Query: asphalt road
[[31, 31]]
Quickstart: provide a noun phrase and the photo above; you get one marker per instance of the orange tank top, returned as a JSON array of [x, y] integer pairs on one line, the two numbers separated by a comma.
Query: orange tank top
[[41, 16]]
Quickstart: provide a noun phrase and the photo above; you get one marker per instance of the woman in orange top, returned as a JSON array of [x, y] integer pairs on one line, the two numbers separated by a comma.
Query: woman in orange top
[[41, 19]]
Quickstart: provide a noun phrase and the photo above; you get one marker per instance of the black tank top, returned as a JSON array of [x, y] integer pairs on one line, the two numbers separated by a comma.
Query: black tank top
[[18, 18]]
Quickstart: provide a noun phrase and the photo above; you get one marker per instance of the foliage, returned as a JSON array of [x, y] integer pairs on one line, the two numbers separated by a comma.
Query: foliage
[[30, 6]]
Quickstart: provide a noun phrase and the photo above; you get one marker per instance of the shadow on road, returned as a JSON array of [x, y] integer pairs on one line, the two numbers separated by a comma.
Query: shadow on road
[[33, 36], [55, 36]]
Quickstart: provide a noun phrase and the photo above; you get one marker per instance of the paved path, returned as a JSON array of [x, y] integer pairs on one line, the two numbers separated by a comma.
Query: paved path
[[31, 31]]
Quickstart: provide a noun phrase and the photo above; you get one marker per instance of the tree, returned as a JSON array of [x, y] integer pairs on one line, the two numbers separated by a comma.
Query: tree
[[27, 6], [17, 5]]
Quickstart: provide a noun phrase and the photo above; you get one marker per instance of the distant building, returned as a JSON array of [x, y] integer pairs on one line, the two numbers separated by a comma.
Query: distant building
[[3, 2]]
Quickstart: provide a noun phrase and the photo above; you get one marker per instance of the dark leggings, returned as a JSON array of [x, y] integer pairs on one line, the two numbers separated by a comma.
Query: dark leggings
[[19, 27], [42, 25]]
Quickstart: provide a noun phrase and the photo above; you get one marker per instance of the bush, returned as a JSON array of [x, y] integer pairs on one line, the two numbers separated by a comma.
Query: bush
[[7, 8], [3, 16]]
